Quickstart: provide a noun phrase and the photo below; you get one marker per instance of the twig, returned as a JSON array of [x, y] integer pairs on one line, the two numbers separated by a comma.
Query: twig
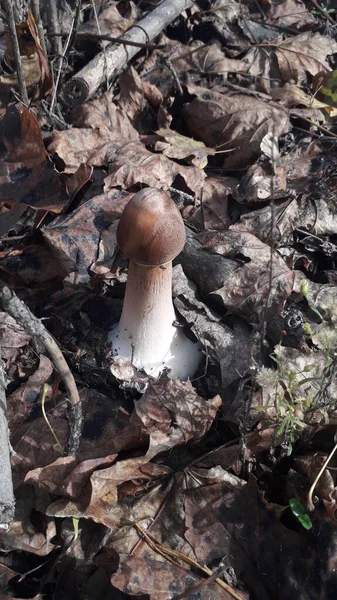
[[67, 47], [53, 26], [177, 556], [7, 501], [16, 51], [168, 64], [108, 38], [310, 503], [35, 5], [86, 83], [21, 313], [103, 50]]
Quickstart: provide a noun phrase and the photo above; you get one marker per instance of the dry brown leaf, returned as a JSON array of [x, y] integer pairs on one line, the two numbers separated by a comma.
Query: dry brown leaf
[[199, 58], [111, 22], [292, 96], [27, 397], [257, 548], [295, 57], [291, 13], [27, 175], [65, 476], [133, 164], [103, 114], [214, 202], [12, 337], [234, 123], [254, 284], [159, 579], [172, 413], [183, 148], [78, 240], [302, 54], [91, 146], [22, 534]]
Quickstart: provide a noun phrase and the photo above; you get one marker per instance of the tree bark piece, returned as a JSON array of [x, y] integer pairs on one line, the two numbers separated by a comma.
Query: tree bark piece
[[114, 58], [7, 500]]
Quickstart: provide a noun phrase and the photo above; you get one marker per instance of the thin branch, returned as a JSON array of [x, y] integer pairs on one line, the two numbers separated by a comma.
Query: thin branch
[[53, 26], [108, 38], [16, 51], [21, 313], [7, 501], [35, 6], [87, 81], [67, 47]]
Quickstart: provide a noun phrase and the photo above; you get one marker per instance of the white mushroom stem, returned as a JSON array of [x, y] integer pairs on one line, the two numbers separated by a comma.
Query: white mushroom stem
[[145, 334]]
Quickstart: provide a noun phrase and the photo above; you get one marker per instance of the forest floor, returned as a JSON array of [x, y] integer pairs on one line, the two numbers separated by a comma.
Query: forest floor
[[223, 486]]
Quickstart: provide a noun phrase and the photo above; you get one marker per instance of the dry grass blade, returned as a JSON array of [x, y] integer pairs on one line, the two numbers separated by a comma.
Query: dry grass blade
[[178, 556]]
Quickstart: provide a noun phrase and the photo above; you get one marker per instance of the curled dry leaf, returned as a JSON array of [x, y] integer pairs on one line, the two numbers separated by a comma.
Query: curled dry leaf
[[234, 123], [111, 22], [292, 96], [65, 476], [261, 286]]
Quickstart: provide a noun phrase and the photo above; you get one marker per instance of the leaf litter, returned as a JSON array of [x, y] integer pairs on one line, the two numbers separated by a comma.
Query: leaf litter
[[178, 490]]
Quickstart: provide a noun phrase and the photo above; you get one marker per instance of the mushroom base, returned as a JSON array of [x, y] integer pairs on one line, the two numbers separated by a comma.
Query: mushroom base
[[145, 335]]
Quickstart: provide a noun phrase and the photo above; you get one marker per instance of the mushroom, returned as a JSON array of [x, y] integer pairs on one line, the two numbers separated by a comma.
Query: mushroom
[[151, 234]]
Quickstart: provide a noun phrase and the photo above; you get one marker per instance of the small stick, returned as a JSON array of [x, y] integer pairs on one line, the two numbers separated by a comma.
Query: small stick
[[87, 81], [21, 313], [53, 26], [310, 503], [35, 5], [16, 50], [108, 38], [7, 500], [67, 46]]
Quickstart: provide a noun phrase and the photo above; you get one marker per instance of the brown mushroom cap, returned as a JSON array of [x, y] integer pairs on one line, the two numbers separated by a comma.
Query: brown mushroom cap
[[151, 231]]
